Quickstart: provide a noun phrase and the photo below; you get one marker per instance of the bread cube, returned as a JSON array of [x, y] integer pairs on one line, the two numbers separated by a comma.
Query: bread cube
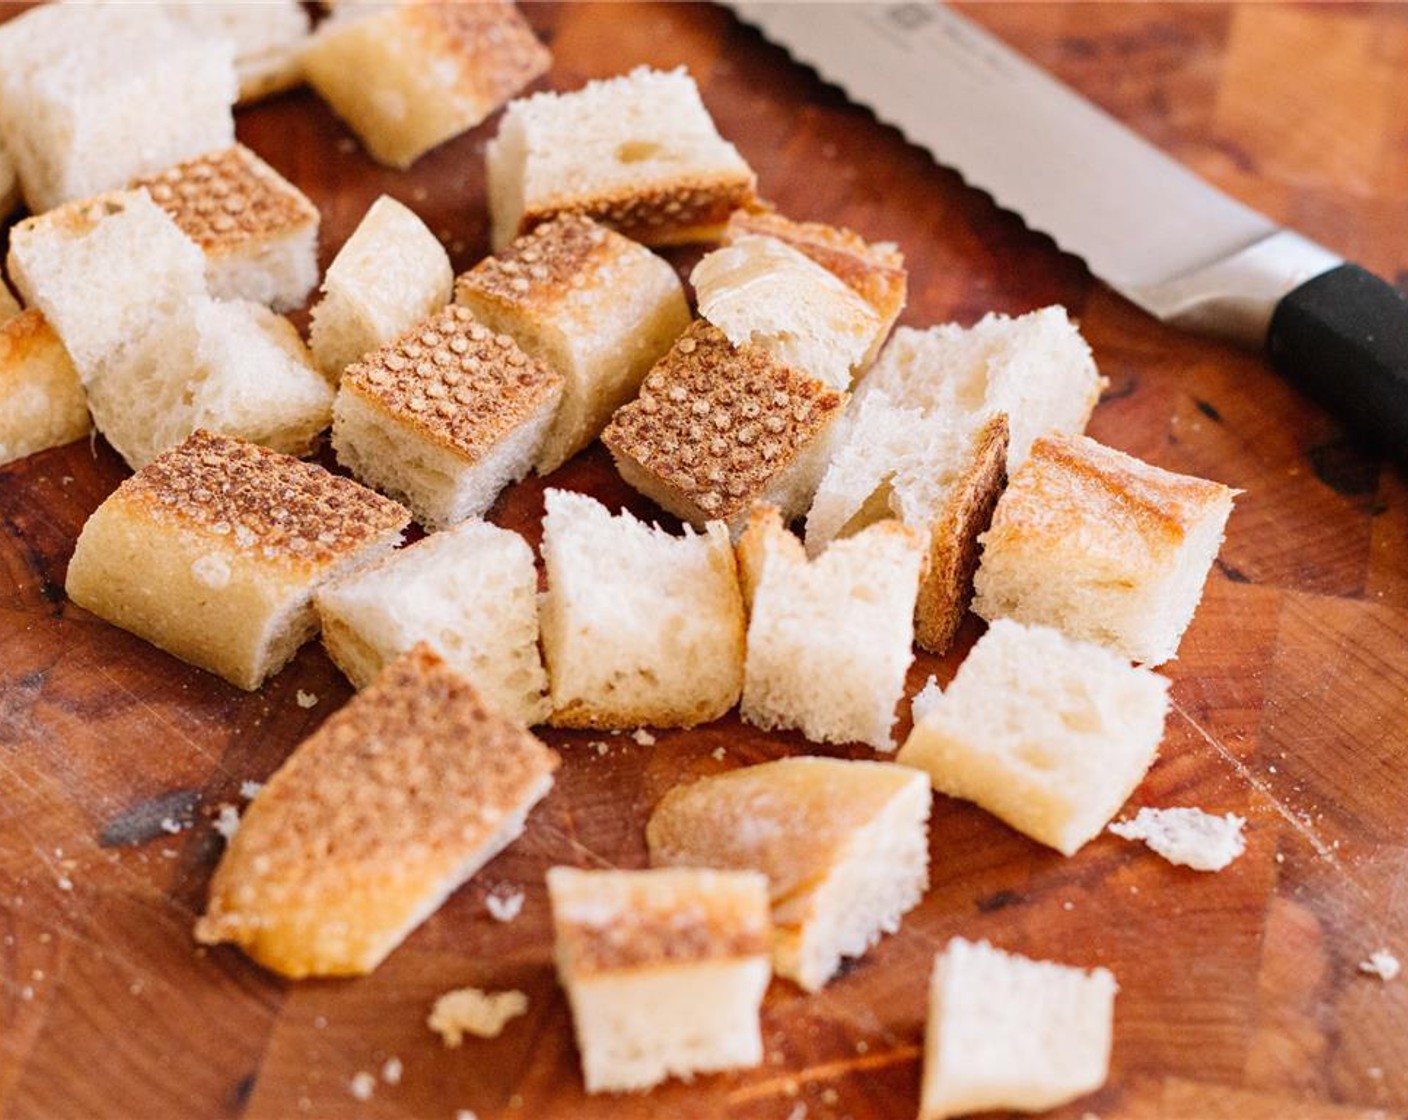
[[844, 846], [1050, 734], [593, 305], [258, 231], [92, 96], [1036, 368], [1007, 1032], [664, 970], [214, 549], [638, 153], [269, 38], [444, 417], [407, 77], [374, 820], [845, 618], [1102, 546], [42, 403], [470, 593], [761, 291], [639, 627], [388, 276], [718, 427]]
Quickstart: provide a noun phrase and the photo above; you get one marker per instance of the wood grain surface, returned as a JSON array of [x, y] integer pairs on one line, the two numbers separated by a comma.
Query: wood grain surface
[[1240, 991]]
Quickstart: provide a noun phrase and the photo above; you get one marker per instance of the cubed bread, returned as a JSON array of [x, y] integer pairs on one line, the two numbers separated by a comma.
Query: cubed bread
[[595, 306], [718, 427], [92, 96], [664, 970], [258, 231], [214, 549], [1102, 546], [393, 803], [1036, 368], [761, 291], [845, 618], [470, 593], [42, 403], [638, 152], [406, 77], [1052, 735], [875, 272], [639, 627], [388, 276], [269, 38], [1006, 1032], [844, 846], [444, 417]]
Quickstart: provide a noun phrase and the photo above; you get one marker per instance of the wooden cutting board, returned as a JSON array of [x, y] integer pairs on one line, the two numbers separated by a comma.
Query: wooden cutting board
[[1240, 991]]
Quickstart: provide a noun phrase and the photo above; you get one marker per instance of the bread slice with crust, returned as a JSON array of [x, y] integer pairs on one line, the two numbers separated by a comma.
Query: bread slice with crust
[[42, 403], [214, 549], [383, 812]]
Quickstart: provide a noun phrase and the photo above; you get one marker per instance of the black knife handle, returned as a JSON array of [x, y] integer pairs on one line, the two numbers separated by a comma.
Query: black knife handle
[[1343, 338]]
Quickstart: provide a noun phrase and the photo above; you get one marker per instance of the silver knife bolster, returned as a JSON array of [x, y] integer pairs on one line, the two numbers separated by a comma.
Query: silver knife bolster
[[1235, 297]]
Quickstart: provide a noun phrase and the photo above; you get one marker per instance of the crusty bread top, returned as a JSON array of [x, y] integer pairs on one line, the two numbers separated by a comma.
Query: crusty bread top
[[223, 200], [542, 266], [454, 381], [273, 507], [716, 422], [608, 921], [497, 51], [655, 213]]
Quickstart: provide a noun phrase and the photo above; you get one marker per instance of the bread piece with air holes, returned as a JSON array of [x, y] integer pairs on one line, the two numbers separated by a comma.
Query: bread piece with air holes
[[42, 403], [471, 593], [639, 627], [761, 291], [717, 427], [388, 808], [92, 96], [593, 305], [258, 231], [638, 153], [444, 417], [269, 39], [214, 549], [1049, 734], [844, 845], [1103, 546], [665, 971], [388, 276], [845, 618], [407, 77], [1007, 1032]]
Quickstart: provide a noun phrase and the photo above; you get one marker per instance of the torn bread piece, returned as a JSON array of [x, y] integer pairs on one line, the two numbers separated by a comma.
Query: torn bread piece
[[444, 417], [1007, 1032], [259, 232], [1187, 837], [214, 549], [474, 1011], [638, 153], [269, 37], [388, 276], [471, 593], [664, 970], [844, 845], [595, 306], [1049, 734], [639, 627], [42, 403], [1102, 546], [845, 618], [407, 77], [763, 292], [718, 427], [388, 808]]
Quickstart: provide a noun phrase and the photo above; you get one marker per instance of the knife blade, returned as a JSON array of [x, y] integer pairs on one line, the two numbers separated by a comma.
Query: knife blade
[[1153, 230]]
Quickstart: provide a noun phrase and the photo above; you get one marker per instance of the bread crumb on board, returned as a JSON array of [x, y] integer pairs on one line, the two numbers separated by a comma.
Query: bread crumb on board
[[643, 737], [391, 1071], [925, 699], [306, 699], [1381, 963], [1188, 837], [227, 821], [249, 789], [504, 904], [362, 1085], [474, 1011]]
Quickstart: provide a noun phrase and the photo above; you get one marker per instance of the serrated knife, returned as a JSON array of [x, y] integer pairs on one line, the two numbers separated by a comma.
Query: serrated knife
[[1150, 228]]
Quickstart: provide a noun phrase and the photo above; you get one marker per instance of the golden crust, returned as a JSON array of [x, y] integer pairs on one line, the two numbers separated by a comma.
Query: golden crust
[[454, 382], [688, 208], [538, 269], [225, 200], [714, 422], [495, 49], [373, 816], [947, 587], [74, 219]]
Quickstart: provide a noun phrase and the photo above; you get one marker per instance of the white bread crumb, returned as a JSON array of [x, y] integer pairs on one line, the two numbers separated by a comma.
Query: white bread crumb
[[643, 737], [504, 905], [1188, 837], [227, 822], [474, 1011], [391, 1071], [466, 1114], [306, 699], [174, 827], [362, 1085], [249, 789], [1381, 963], [925, 699]]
